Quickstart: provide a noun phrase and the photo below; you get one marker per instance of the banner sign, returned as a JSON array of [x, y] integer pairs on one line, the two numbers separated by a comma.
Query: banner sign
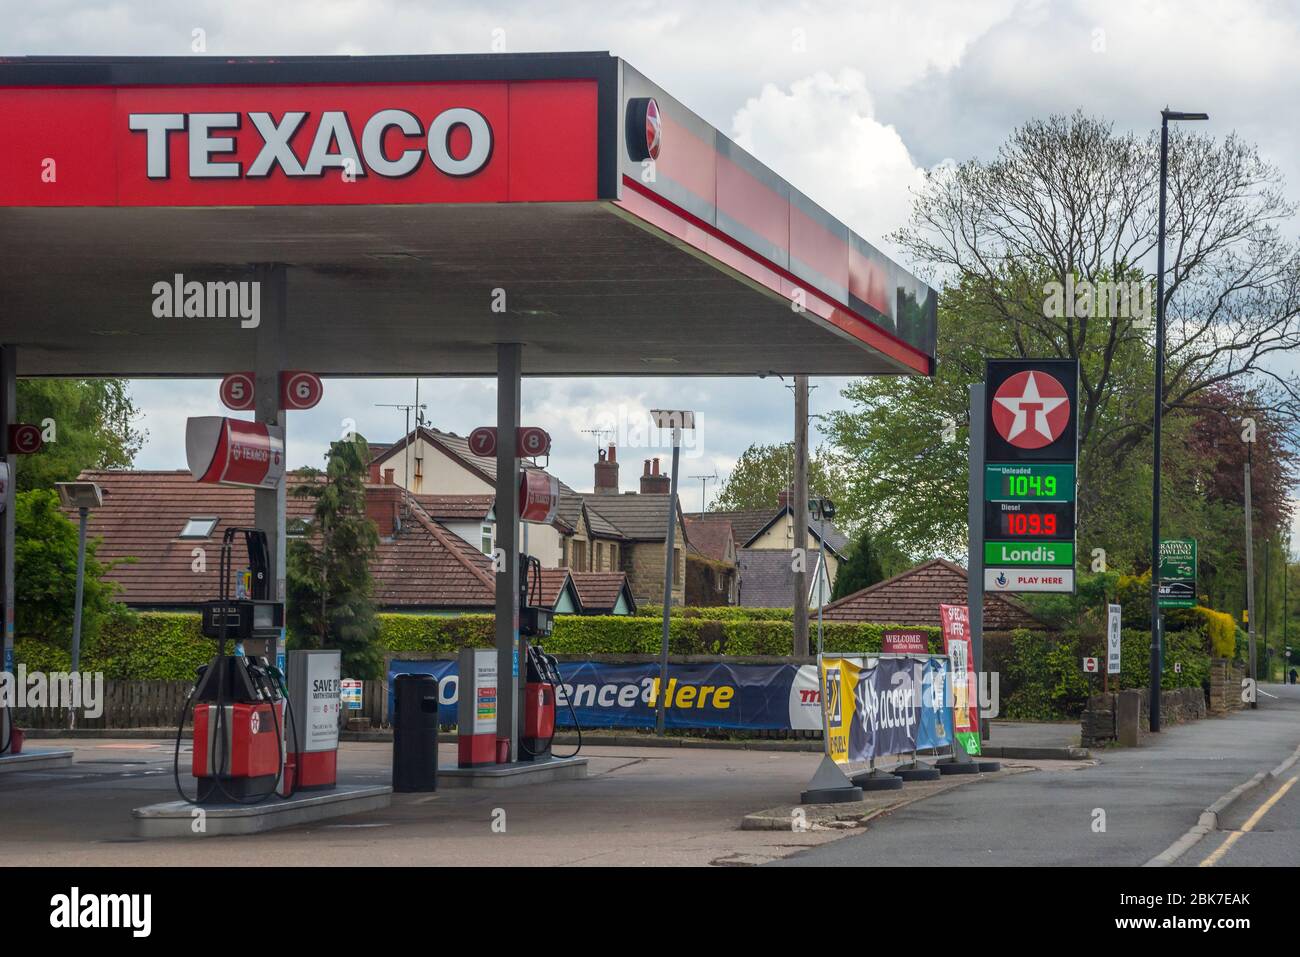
[[1178, 573], [880, 706], [955, 621], [708, 695], [234, 452], [905, 641]]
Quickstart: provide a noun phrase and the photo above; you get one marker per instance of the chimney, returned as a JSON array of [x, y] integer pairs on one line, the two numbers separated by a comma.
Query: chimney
[[652, 482], [374, 473], [607, 472], [388, 476], [783, 498], [383, 505]]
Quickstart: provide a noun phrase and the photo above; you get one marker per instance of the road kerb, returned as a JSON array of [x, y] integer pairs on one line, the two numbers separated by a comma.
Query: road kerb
[[1209, 818]]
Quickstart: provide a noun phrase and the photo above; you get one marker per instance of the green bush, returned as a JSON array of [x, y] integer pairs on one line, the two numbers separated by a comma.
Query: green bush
[[150, 645], [720, 613], [1042, 677]]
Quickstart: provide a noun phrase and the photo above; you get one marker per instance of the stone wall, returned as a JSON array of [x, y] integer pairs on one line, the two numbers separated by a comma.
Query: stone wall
[[1225, 686], [1098, 726]]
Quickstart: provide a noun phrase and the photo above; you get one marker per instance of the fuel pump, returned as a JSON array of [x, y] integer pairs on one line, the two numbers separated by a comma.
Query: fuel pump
[[240, 701], [542, 671]]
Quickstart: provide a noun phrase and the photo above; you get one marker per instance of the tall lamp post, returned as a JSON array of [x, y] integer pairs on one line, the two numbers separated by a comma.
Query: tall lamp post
[[1157, 625], [83, 496]]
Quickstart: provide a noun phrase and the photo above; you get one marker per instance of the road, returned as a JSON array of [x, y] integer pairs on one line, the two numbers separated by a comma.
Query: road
[[1127, 809]]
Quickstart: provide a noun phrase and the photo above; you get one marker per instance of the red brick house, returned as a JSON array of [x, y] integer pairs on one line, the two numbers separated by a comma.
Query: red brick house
[[167, 530]]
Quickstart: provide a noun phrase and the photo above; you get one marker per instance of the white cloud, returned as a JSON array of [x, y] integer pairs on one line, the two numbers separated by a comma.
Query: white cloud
[[821, 134]]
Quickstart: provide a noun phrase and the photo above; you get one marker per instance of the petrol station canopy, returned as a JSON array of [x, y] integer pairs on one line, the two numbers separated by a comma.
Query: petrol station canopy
[[426, 208]]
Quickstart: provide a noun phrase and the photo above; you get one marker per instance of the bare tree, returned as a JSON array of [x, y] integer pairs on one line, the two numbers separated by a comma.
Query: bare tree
[[1069, 199]]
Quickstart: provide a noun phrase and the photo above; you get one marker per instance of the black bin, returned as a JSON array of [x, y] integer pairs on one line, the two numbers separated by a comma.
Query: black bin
[[415, 733]]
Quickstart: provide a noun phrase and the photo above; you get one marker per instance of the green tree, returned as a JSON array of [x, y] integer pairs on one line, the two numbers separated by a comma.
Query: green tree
[[763, 471], [1066, 200], [329, 587], [89, 424], [868, 562], [45, 574]]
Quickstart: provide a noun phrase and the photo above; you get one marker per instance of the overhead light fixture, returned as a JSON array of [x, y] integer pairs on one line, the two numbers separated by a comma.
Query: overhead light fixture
[[80, 494]]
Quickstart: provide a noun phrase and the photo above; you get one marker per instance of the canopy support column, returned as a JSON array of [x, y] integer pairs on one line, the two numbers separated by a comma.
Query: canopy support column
[[509, 388], [269, 503]]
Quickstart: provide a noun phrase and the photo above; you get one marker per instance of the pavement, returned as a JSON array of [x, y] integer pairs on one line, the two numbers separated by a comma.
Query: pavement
[[647, 806], [637, 807], [1123, 810]]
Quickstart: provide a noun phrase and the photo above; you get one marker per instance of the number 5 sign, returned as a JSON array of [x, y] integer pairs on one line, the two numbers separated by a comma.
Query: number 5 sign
[[298, 391]]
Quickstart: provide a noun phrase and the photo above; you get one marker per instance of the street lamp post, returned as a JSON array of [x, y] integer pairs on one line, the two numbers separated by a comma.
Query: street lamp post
[[83, 496], [1156, 623]]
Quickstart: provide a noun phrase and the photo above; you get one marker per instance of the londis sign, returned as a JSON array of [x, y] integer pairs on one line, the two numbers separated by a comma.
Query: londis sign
[[507, 141]]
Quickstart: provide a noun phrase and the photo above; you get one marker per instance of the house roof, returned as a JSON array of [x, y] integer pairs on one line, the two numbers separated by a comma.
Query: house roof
[[767, 578], [547, 588], [913, 598], [600, 591], [710, 538], [638, 517], [836, 540], [745, 523], [457, 508], [144, 511]]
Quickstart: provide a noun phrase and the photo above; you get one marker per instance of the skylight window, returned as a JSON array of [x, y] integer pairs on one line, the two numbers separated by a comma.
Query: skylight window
[[199, 527]]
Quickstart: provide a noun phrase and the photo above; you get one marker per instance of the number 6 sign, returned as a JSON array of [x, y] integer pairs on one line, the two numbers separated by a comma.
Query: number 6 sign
[[300, 390]]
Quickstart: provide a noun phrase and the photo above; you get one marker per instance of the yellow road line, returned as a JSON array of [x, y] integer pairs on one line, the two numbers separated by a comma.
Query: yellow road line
[[1249, 825]]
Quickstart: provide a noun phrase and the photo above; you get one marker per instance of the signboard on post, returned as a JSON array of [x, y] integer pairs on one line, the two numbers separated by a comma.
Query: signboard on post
[[225, 451], [483, 441], [300, 391], [1090, 666], [539, 496], [25, 439], [237, 391], [1178, 573], [955, 620], [1031, 459], [1112, 639]]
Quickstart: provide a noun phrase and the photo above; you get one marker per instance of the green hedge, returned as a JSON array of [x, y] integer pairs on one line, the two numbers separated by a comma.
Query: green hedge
[[165, 645], [720, 613], [1042, 677], [151, 645]]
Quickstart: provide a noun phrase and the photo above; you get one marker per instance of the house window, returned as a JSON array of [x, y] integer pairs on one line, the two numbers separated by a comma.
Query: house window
[[199, 527], [677, 566], [486, 543], [600, 557]]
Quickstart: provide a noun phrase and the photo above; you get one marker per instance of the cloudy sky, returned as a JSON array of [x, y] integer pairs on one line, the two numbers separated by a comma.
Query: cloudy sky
[[883, 89]]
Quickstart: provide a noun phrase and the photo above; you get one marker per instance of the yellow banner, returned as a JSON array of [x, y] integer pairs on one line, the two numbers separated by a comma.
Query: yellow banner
[[839, 681]]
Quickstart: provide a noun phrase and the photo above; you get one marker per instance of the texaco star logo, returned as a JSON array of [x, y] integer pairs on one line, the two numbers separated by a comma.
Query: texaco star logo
[[653, 129], [1031, 410]]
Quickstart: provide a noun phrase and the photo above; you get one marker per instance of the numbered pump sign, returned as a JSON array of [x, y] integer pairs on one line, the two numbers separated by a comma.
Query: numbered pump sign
[[299, 391], [225, 451], [1031, 455]]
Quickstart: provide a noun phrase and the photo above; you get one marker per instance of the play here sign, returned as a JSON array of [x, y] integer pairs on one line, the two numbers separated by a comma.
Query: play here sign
[[1037, 579]]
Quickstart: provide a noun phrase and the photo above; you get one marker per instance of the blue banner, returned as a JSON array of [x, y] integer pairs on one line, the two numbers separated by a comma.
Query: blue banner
[[709, 695]]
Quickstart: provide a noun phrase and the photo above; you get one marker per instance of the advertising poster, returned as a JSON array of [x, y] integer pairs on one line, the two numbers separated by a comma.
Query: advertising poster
[[955, 620], [881, 706]]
